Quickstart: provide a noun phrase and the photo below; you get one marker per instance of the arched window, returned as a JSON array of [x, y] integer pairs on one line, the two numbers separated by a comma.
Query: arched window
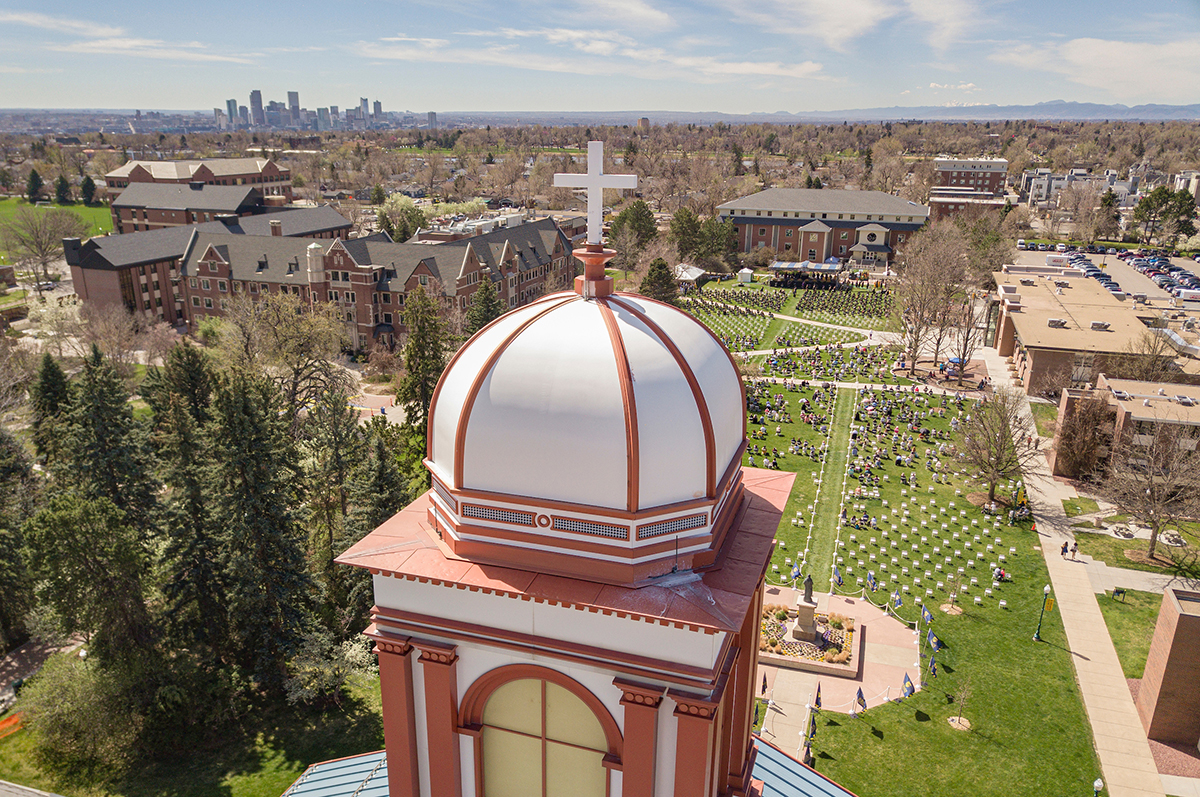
[[538, 732]]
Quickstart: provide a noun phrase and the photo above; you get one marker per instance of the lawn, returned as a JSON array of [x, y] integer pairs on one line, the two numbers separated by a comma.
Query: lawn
[[98, 216], [1024, 697], [260, 759], [1079, 506], [1045, 416], [1104, 547], [1131, 622], [14, 296], [746, 333]]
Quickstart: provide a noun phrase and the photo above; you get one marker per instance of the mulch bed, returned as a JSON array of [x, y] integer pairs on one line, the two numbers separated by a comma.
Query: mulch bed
[[1139, 555], [981, 499], [1179, 760]]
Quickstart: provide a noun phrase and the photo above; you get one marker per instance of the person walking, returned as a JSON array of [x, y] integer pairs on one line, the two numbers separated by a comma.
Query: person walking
[[1074, 550], [1063, 553]]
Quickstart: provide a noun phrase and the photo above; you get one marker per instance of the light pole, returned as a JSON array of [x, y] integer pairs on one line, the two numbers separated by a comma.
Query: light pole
[[1097, 787], [1037, 635]]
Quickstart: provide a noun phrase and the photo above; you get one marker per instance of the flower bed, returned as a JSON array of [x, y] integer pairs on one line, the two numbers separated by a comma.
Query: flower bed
[[835, 645]]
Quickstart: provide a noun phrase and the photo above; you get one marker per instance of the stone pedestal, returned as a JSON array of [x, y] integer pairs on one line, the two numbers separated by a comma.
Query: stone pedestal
[[804, 628]]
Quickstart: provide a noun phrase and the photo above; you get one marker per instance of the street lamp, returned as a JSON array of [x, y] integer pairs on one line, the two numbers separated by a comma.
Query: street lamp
[[1037, 635], [1097, 787]]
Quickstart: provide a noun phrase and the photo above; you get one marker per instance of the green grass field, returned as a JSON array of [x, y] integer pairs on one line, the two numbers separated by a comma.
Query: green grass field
[[260, 759], [743, 333], [1045, 416], [98, 216], [1024, 700], [1131, 622], [1079, 506], [1104, 547]]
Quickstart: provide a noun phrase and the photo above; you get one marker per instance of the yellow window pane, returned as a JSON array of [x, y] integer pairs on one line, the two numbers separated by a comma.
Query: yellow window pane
[[512, 764], [568, 719], [516, 706], [571, 772]]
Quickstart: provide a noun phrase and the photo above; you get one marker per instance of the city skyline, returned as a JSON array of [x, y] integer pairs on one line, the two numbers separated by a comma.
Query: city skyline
[[773, 55]]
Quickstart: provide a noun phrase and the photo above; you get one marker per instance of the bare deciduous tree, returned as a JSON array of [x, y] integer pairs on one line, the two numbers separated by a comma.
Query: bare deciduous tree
[[1154, 475], [930, 275], [999, 439], [1082, 434], [33, 237]]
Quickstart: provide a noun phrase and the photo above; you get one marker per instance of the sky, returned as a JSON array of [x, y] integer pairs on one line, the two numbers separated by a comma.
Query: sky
[[733, 56]]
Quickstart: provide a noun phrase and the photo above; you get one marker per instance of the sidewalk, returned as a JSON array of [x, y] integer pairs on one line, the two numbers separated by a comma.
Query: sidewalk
[[1125, 758]]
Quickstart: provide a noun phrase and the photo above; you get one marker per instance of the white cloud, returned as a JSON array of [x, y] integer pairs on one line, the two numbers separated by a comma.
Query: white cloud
[[586, 41], [631, 13], [78, 27], [148, 48], [629, 61], [8, 69], [953, 87], [428, 43], [947, 19], [836, 23], [1133, 72]]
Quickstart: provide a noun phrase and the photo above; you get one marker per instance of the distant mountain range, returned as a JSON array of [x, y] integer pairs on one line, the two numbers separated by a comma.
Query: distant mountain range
[[1056, 110]]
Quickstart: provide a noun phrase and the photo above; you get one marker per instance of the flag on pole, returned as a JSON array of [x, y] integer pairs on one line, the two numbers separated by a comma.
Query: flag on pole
[[764, 689], [871, 582], [934, 642], [926, 615], [933, 666], [897, 601], [812, 726], [909, 689], [837, 575], [795, 571], [817, 697], [860, 700]]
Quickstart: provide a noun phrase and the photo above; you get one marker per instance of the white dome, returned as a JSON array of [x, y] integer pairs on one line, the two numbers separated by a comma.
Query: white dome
[[620, 403]]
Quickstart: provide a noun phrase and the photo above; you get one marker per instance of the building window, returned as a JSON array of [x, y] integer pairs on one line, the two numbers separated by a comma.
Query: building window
[[192, 282], [539, 738], [195, 301], [212, 267], [345, 276], [266, 288], [254, 287], [387, 298], [812, 254], [222, 286], [206, 285], [333, 296], [841, 250], [387, 318], [208, 302], [787, 233], [762, 231], [845, 235]]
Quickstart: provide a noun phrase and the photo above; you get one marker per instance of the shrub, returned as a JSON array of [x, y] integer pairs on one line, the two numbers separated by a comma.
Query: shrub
[[209, 330], [782, 614], [829, 655]]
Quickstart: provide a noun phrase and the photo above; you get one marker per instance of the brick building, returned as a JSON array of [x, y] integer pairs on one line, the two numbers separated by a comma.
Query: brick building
[[816, 224], [368, 278], [985, 175], [268, 177], [146, 206], [141, 270]]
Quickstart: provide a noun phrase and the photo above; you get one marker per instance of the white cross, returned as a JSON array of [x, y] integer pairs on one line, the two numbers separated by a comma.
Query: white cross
[[595, 181]]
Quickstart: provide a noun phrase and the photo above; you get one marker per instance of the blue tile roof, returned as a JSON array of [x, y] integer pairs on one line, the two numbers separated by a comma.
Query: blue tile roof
[[361, 775], [784, 776]]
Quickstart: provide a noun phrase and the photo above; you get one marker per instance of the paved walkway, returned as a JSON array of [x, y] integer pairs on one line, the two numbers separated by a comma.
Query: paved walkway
[[890, 649], [1104, 578], [1125, 758]]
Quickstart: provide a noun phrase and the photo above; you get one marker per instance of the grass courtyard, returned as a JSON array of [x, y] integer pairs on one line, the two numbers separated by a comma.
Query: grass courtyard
[[1131, 620], [1023, 696], [748, 333]]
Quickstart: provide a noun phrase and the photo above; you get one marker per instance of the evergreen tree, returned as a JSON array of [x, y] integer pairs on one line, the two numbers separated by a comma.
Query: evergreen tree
[[685, 231], [16, 499], [33, 186], [192, 580], [658, 283], [332, 448], [378, 196], [718, 240], [89, 564], [424, 357], [50, 397], [378, 490], [267, 589], [105, 452], [485, 306], [187, 374], [639, 218], [87, 190], [62, 190]]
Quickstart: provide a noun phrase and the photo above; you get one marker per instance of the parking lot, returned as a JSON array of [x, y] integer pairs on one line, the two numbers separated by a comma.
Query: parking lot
[[1130, 279]]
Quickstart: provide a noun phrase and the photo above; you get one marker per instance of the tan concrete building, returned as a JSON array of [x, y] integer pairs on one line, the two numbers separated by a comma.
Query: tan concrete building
[[267, 176]]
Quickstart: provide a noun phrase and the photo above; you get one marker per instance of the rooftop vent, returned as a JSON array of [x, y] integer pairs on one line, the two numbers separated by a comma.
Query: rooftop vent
[[1100, 325], [1186, 401], [1027, 281], [1057, 323], [1121, 395]]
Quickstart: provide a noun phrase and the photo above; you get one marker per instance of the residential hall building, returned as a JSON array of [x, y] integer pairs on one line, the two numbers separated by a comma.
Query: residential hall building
[[818, 224], [182, 275], [267, 176]]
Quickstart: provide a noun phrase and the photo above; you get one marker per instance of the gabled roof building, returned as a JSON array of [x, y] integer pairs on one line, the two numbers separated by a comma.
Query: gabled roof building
[[817, 224]]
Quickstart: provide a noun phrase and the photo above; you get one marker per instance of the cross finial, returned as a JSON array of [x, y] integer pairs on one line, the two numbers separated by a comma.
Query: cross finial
[[595, 181]]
